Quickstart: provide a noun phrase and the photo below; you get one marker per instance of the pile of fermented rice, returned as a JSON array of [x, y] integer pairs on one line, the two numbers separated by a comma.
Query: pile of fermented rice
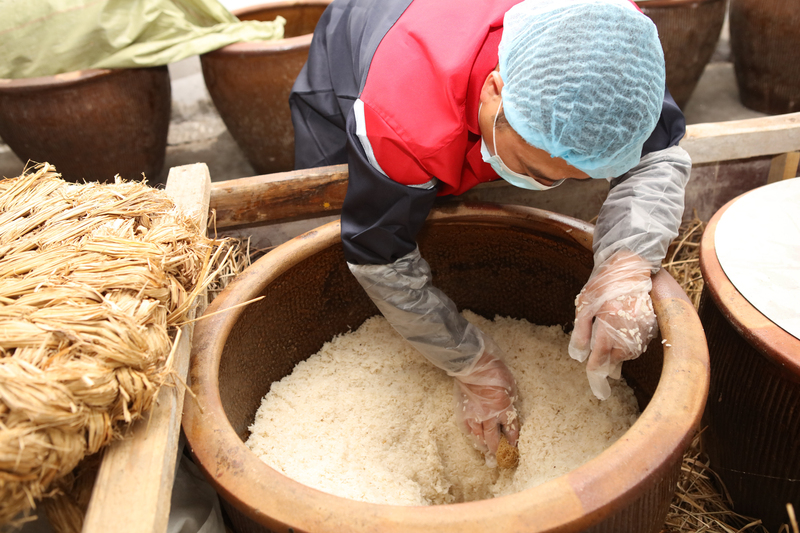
[[368, 418]]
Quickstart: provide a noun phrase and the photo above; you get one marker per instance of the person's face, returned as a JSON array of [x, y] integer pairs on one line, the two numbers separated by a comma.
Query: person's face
[[517, 154]]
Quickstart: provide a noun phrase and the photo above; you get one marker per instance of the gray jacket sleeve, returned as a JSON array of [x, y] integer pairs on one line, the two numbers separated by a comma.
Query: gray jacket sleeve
[[643, 210], [421, 313]]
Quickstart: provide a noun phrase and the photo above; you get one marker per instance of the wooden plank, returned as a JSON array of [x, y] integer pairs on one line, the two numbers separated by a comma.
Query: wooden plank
[[742, 139], [784, 167], [280, 197], [189, 186], [134, 484]]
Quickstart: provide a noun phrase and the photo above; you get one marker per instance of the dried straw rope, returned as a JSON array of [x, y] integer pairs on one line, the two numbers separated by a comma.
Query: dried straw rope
[[93, 279]]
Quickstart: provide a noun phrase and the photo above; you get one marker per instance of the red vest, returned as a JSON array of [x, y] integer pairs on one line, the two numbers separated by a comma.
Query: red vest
[[422, 92]]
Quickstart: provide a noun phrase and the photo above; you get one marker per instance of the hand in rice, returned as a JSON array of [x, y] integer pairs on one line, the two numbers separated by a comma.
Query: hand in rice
[[614, 319], [485, 402]]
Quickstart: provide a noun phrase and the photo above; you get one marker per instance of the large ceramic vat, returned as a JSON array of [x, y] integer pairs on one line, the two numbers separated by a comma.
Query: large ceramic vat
[[764, 45], [515, 261], [689, 31], [753, 412], [91, 124], [250, 82]]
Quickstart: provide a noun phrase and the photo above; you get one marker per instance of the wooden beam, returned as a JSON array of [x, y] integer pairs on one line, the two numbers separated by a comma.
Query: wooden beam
[[279, 197], [783, 167], [742, 139], [133, 489]]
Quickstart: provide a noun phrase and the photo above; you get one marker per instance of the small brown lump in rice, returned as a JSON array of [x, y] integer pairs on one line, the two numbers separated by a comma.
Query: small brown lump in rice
[[370, 419], [507, 455]]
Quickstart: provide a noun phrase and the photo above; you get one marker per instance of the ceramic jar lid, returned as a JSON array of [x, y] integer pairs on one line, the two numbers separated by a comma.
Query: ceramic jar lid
[[757, 241]]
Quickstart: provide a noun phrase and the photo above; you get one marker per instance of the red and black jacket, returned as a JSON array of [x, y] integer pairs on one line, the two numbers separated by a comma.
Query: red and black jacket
[[391, 87]]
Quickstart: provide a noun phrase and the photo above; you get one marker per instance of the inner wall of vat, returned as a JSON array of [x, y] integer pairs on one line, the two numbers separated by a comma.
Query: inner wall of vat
[[489, 269]]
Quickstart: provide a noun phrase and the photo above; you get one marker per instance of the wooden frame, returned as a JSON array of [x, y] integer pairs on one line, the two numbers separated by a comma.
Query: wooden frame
[[742, 139]]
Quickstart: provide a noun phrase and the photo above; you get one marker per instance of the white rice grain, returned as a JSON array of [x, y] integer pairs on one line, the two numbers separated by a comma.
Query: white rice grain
[[368, 418]]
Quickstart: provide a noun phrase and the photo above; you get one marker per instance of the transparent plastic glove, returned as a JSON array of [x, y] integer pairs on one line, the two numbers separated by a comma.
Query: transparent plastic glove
[[425, 316], [643, 210], [614, 318], [484, 402], [430, 322]]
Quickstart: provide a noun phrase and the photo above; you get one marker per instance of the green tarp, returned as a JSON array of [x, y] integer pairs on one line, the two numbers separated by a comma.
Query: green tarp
[[46, 37]]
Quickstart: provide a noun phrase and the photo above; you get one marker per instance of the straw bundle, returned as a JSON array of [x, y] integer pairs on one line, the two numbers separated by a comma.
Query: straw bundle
[[683, 258], [699, 506], [233, 263], [93, 280], [66, 507]]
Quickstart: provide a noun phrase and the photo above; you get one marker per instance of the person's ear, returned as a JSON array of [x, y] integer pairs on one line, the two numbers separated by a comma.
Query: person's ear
[[492, 87]]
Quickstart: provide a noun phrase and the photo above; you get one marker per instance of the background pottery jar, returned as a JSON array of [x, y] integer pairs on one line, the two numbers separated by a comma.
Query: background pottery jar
[[310, 296], [250, 82], [689, 31], [753, 414], [765, 40], [90, 124]]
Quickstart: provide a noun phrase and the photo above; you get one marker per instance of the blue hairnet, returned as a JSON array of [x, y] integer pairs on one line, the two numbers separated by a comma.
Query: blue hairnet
[[583, 80]]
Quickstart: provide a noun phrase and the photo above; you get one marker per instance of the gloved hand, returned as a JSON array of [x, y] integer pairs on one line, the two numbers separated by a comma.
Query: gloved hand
[[484, 402], [614, 318]]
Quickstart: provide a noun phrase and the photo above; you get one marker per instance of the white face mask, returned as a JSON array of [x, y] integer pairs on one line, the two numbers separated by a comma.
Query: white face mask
[[518, 180]]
